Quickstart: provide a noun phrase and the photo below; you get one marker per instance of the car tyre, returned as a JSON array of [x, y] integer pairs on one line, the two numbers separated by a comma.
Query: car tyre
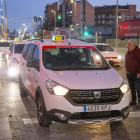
[[23, 93], [43, 120]]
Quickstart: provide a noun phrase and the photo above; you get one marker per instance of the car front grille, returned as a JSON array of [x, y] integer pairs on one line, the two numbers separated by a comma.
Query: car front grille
[[95, 115], [88, 96]]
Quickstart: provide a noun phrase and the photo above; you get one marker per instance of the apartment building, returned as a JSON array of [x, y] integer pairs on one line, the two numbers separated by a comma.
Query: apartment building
[[107, 14], [66, 8]]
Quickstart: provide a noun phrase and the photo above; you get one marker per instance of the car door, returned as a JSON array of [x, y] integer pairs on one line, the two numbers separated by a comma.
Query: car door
[[28, 80], [35, 72], [23, 63]]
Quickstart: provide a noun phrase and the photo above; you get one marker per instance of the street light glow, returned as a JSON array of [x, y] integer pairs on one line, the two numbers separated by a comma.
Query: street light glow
[[23, 24], [72, 1], [52, 11], [2, 16]]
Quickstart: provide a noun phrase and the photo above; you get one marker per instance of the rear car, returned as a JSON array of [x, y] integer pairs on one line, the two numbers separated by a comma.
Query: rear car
[[4, 48], [108, 53], [13, 58]]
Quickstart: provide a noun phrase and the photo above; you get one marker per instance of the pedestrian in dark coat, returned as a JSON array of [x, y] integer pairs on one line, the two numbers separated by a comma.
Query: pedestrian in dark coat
[[132, 67]]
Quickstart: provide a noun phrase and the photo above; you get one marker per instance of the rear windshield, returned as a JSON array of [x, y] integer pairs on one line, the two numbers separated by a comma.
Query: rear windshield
[[19, 48], [4, 44], [104, 48]]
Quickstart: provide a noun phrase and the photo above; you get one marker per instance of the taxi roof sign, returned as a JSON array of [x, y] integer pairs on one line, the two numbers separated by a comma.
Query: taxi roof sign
[[17, 39], [58, 38]]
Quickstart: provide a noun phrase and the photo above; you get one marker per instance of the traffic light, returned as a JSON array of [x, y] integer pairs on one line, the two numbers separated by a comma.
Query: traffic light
[[71, 27], [35, 19], [86, 33], [59, 15], [33, 37]]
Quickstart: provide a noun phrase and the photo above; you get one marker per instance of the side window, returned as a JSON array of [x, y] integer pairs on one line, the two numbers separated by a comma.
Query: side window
[[30, 52], [25, 51], [11, 48], [36, 56]]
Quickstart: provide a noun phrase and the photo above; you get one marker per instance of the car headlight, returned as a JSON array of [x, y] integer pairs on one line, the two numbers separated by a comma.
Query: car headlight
[[12, 71], [98, 57], [124, 87], [119, 57], [55, 88]]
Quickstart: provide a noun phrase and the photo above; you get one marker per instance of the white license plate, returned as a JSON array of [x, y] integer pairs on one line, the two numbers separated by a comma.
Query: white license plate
[[97, 108]]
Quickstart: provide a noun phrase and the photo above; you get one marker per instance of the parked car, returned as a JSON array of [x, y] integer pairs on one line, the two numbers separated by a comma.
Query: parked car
[[108, 53], [13, 58], [4, 48], [71, 82]]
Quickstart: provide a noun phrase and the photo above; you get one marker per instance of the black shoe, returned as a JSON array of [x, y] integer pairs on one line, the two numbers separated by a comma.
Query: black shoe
[[138, 106], [133, 103]]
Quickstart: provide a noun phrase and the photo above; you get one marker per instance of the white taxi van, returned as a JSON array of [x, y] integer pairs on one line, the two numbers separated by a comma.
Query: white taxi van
[[71, 82], [108, 53], [4, 48], [13, 57]]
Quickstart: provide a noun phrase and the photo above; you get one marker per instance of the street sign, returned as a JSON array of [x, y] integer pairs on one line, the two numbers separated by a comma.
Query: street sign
[[62, 32], [85, 28], [48, 35]]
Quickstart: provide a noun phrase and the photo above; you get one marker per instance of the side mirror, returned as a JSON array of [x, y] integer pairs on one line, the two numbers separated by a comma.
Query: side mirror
[[111, 63], [32, 64]]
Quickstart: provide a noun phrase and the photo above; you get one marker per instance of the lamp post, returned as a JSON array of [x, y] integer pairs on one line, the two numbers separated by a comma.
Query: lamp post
[[74, 3], [117, 24], [6, 19], [1, 19], [42, 27], [54, 18]]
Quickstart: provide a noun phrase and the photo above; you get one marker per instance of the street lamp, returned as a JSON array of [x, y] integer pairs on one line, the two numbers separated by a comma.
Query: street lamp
[[23, 24], [54, 18]]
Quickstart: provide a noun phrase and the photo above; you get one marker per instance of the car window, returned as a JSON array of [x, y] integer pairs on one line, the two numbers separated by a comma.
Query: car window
[[25, 51], [30, 52], [104, 48], [19, 48], [11, 48], [36, 56], [5, 44]]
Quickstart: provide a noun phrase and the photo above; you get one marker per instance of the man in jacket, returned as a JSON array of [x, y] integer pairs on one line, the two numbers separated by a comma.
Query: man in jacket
[[132, 67]]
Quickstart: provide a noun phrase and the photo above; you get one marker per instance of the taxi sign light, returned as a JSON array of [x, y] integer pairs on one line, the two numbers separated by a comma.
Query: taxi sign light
[[58, 38]]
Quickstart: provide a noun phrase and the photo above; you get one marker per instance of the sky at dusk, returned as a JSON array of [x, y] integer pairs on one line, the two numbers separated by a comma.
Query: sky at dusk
[[31, 8]]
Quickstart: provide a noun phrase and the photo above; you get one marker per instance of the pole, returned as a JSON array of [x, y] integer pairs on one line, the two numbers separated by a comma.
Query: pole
[[75, 19], [1, 19], [117, 24], [55, 20], [6, 19], [29, 31], [42, 29], [34, 28]]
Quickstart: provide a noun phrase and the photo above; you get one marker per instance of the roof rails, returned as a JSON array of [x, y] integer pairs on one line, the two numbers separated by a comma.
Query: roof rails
[[36, 39]]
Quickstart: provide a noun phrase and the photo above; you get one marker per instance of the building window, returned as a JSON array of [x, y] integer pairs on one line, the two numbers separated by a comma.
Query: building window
[[95, 17], [128, 15], [103, 21], [131, 11], [99, 16], [123, 15], [110, 21], [103, 16], [110, 15], [99, 22]]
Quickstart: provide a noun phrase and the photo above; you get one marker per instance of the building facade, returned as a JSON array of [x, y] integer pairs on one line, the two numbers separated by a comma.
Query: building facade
[[71, 14], [107, 14]]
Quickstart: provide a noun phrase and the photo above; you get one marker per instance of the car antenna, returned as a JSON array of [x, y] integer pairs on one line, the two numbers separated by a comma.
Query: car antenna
[[68, 42]]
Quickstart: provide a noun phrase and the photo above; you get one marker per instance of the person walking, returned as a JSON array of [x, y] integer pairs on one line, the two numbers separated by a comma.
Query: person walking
[[132, 67]]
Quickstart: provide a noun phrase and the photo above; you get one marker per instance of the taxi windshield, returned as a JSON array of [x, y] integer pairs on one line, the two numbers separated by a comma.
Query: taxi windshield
[[73, 59], [104, 48], [4, 44], [19, 48]]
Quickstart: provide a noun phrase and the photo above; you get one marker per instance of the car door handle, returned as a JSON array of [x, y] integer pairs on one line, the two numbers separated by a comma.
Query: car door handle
[[28, 69], [22, 63]]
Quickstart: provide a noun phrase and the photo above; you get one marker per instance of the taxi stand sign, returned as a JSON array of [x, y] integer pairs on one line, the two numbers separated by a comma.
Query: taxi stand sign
[[58, 38]]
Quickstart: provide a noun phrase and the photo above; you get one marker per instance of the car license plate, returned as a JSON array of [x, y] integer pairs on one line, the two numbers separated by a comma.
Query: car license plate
[[97, 108]]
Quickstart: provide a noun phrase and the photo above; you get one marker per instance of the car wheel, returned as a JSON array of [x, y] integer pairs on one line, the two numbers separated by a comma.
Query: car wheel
[[23, 93], [43, 120]]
